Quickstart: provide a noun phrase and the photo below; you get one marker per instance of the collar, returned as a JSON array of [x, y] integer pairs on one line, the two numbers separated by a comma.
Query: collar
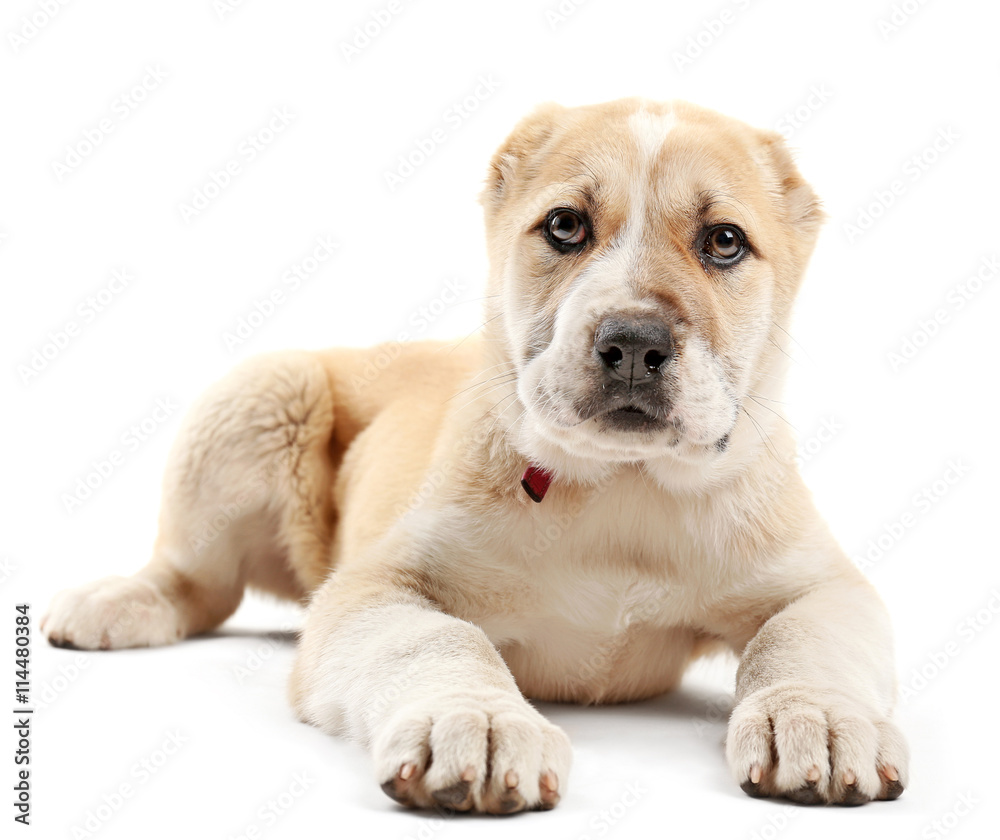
[[536, 481]]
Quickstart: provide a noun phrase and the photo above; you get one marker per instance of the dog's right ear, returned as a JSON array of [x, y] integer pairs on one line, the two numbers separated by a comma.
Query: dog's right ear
[[528, 136]]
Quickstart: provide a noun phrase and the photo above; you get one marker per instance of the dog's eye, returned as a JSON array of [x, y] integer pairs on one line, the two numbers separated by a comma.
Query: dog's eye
[[565, 229], [724, 244]]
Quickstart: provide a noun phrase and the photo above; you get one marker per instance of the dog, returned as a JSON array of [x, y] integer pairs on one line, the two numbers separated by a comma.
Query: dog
[[573, 506]]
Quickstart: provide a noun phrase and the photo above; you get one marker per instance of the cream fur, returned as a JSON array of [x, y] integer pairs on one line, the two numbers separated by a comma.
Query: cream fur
[[440, 596]]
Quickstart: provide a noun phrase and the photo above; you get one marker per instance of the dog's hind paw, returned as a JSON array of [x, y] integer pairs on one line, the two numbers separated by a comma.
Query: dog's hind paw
[[116, 612]]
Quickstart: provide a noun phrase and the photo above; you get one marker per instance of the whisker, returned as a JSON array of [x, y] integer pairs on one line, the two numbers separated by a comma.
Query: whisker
[[500, 415], [777, 414], [793, 338], [762, 434], [780, 348], [496, 387], [762, 397], [483, 382], [477, 329]]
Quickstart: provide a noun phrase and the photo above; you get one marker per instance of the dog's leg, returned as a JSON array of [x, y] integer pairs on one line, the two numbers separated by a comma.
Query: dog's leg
[[814, 693], [430, 696], [246, 501]]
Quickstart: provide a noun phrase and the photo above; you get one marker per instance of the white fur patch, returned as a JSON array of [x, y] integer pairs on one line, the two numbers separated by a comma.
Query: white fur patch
[[650, 131]]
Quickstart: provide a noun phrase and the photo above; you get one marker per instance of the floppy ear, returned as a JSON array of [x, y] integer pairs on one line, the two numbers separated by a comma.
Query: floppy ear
[[801, 205], [528, 136]]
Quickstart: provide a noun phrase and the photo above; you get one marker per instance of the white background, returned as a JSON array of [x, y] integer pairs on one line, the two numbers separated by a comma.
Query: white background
[[879, 97]]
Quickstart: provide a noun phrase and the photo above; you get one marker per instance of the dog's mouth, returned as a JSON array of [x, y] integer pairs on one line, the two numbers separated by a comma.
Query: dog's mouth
[[630, 418], [625, 414]]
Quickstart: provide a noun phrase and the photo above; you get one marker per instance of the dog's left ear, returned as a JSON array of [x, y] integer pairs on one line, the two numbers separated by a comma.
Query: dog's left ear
[[527, 138], [792, 192]]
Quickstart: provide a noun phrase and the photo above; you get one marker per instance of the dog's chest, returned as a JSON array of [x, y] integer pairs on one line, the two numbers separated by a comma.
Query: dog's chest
[[592, 635], [589, 597]]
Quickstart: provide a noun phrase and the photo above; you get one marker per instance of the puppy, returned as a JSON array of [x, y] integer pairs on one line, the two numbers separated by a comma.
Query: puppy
[[573, 507]]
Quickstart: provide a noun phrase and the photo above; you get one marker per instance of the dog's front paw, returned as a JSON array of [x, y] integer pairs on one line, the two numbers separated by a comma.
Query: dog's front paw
[[116, 612], [814, 746], [489, 752]]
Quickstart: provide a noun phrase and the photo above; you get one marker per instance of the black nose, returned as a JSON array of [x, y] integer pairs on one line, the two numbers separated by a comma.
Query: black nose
[[633, 349]]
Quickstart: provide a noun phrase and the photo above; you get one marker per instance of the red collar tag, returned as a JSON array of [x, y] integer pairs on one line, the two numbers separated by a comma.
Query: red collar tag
[[535, 482]]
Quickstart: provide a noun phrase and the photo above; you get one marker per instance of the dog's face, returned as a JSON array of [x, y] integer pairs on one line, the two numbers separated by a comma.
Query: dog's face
[[643, 257]]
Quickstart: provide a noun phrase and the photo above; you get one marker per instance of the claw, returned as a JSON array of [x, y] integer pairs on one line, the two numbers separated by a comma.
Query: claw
[[549, 790], [394, 787], [891, 787], [751, 786]]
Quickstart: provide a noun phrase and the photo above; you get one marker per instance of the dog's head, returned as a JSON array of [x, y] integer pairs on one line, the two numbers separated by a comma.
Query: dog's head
[[644, 257]]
